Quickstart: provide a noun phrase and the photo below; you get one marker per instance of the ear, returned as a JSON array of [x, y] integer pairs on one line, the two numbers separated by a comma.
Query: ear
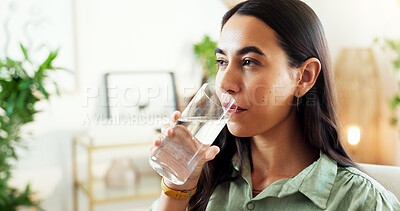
[[309, 72]]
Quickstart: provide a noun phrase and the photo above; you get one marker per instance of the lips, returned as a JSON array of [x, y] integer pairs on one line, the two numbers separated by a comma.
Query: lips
[[234, 109]]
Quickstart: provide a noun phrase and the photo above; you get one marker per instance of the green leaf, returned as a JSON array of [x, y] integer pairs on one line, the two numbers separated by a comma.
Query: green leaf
[[10, 104], [13, 154], [47, 63], [23, 85], [57, 89], [10, 62], [17, 101], [25, 52], [46, 94], [27, 189], [204, 50], [62, 68], [22, 98], [394, 102], [396, 64], [3, 198]]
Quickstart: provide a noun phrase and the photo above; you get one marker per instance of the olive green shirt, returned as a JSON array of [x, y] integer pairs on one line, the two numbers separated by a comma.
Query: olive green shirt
[[321, 186]]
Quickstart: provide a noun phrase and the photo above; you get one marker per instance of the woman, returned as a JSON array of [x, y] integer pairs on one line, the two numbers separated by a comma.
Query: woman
[[281, 150]]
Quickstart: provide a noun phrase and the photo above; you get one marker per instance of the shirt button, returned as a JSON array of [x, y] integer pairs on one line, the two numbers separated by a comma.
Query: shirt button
[[251, 206]]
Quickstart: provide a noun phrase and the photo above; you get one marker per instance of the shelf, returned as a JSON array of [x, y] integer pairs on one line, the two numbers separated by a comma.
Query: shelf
[[90, 144], [95, 188], [147, 186]]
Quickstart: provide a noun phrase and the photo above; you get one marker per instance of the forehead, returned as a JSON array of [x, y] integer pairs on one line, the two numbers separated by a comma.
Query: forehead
[[245, 30]]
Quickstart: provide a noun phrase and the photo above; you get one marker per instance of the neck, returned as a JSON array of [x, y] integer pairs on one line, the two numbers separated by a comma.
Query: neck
[[282, 152]]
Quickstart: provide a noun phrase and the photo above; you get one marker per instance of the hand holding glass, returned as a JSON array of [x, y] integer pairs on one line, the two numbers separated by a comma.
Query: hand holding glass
[[193, 133]]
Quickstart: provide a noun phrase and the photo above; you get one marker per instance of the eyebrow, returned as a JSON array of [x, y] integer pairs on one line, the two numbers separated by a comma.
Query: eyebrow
[[218, 50], [242, 51]]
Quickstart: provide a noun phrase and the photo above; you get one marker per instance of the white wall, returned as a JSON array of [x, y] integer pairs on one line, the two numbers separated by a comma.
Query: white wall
[[128, 35], [356, 23]]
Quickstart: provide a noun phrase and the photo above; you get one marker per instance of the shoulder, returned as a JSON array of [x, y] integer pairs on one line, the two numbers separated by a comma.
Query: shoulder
[[355, 186], [354, 176]]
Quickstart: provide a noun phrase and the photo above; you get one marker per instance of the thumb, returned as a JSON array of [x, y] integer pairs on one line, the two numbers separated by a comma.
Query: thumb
[[211, 153]]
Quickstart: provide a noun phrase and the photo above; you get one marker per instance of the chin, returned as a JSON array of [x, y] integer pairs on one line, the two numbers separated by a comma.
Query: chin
[[238, 130]]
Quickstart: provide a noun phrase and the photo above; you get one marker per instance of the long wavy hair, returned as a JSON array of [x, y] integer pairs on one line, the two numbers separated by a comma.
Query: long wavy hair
[[300, 34]]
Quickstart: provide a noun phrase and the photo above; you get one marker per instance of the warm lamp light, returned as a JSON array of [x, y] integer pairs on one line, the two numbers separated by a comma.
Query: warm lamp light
[[360, 97], [353, 135]]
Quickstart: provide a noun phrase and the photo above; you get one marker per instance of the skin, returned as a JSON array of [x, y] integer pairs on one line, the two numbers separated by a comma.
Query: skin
[[265, 86], [254, 69]]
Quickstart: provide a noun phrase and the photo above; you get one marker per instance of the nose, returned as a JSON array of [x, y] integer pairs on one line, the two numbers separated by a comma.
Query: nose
[[229, 79]]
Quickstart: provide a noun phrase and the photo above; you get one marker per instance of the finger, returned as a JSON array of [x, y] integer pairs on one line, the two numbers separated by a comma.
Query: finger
[[164, 130], [170, 132], [175, 116], [211, 153], [157, 141]]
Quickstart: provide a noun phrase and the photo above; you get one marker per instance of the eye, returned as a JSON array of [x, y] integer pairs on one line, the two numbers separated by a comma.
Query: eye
[[248, 62], [221, 62]]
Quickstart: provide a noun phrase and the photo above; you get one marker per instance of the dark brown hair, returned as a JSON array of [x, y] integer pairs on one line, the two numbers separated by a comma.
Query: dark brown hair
[[300, 34]]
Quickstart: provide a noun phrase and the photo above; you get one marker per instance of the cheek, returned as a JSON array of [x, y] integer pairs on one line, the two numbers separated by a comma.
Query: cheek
[[260, 95], [282, 94], [261, 91], [283, 89]]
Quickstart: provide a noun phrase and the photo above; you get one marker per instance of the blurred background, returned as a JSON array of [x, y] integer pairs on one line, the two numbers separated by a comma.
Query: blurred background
[[127, 64]]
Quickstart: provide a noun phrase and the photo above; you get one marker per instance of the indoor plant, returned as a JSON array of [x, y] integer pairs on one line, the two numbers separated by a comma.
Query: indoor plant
[[393, 46], [204, 51], [22, 85]]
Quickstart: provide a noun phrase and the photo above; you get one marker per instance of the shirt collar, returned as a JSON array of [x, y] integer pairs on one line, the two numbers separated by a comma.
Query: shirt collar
[[317, 185], [315, 181]]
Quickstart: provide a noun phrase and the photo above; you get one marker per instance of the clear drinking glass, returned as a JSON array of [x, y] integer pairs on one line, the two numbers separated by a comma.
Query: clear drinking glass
[[196, 129]]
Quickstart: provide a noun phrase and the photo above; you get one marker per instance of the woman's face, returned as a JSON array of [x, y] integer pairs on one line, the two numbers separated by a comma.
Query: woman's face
[[254, 69]]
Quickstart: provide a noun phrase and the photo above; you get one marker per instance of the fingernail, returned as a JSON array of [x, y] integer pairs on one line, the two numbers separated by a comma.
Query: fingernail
[[169, 131], [209, 156]]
